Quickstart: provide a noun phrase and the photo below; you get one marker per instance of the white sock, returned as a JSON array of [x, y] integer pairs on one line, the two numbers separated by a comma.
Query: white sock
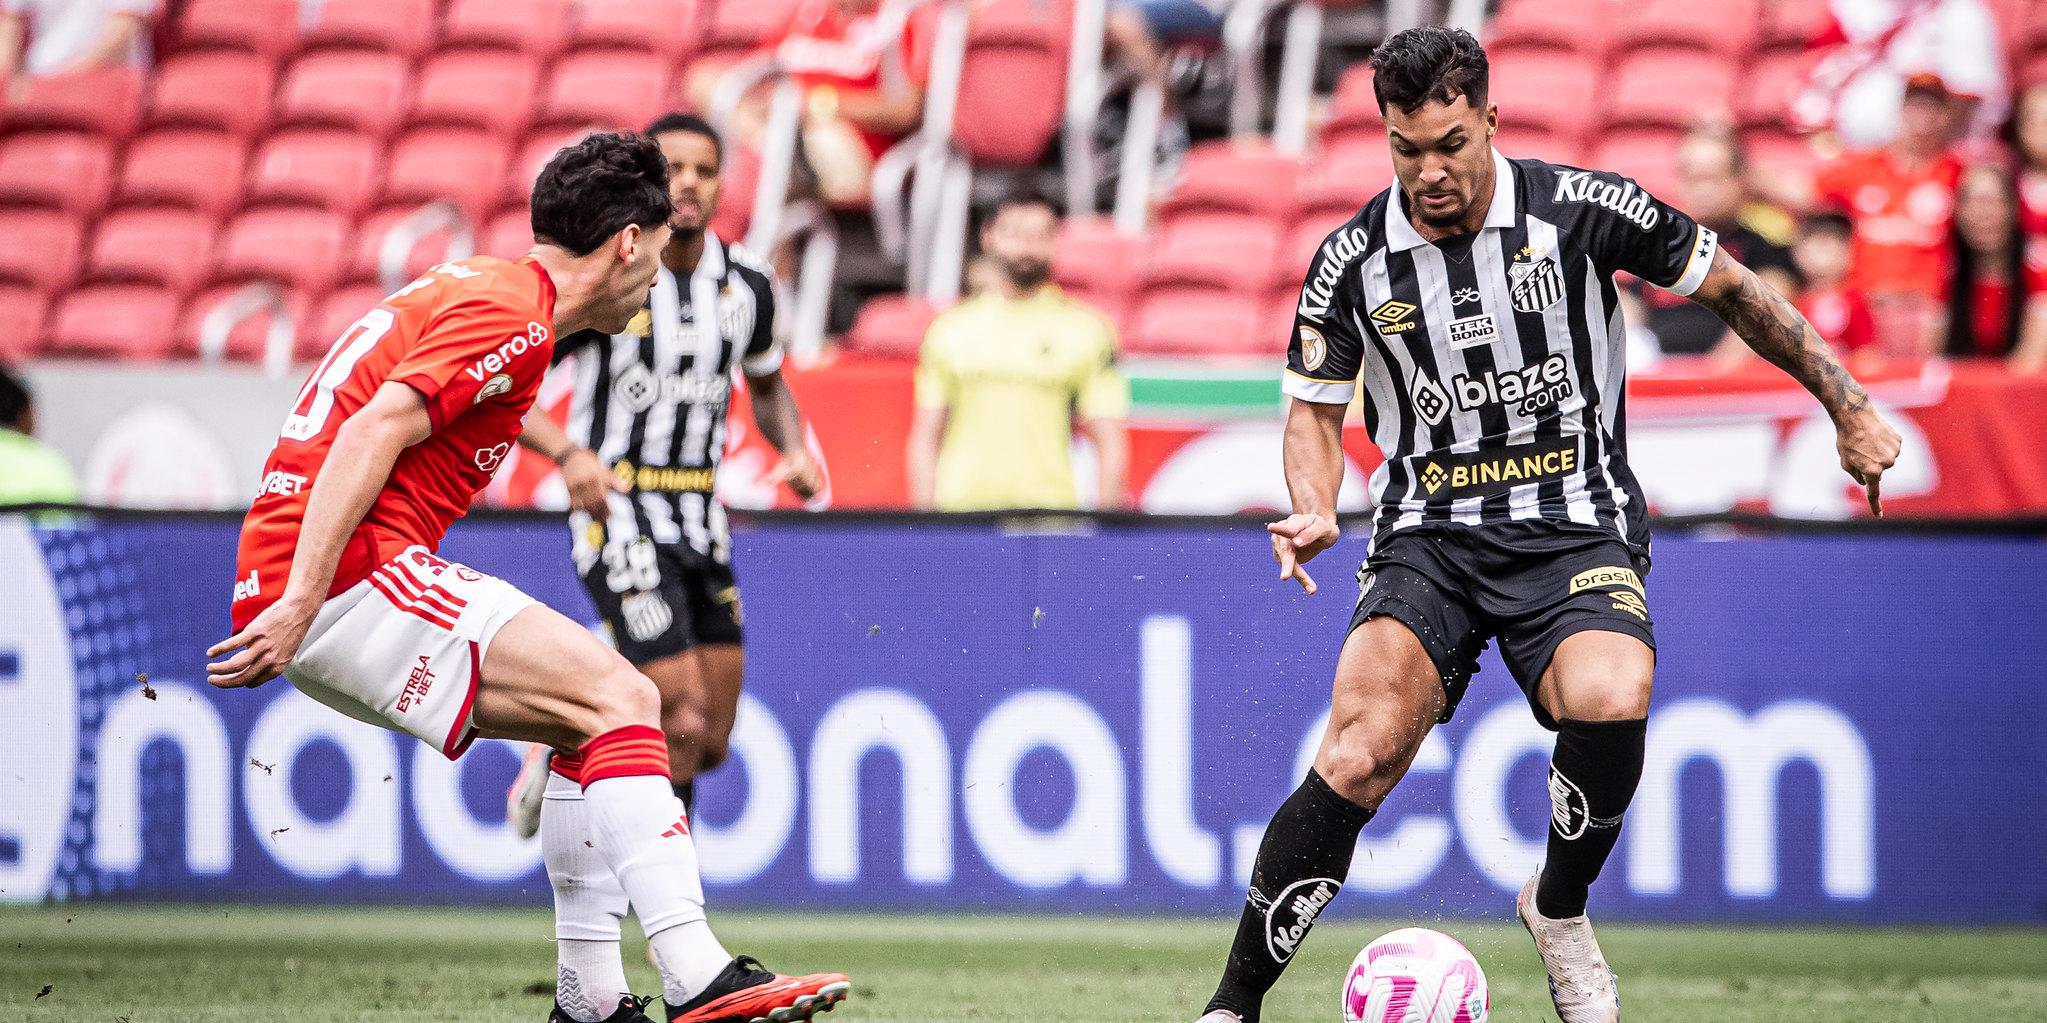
[[634, 824], [588, 904]]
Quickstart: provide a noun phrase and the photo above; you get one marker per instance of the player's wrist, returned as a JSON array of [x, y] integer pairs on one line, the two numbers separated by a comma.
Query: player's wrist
[[562, 457]]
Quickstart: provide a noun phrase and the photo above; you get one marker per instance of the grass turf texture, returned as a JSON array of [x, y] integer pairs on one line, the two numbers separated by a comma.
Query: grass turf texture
[[237, 964]]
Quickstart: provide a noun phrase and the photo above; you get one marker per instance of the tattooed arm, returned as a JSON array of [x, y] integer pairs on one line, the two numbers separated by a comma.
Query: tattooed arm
[[1775, 329]]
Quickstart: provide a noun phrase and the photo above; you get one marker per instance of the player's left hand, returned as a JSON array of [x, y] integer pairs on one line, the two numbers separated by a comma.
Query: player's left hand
[[1868, 446], [266, 646], [799, 471]]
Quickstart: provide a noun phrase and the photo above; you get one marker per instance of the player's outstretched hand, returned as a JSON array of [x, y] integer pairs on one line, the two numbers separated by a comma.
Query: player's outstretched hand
[[1868, 446], [264, 648], [1296, 540], [590, 484], [799, 471]]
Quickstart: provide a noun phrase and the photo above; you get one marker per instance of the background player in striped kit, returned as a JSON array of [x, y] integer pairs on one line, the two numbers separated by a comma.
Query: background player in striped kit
[[1475, 301]]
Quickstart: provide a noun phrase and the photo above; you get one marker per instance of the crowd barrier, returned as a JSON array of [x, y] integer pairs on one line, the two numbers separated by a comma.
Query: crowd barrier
[[1075, 716]]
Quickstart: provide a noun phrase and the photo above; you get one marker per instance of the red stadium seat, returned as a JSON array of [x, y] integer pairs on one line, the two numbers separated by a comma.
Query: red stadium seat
[[1725, 27], [1094, 257], [1581, 27], [1222, 251], [67, 170], [1236, 178], [1114, 307], [202, 170], [104, 102], [1791, 24], [534, 27], [326, 320], [267, 27], [43, 248], [1667, 89], [667, 27], [332, 169], [745, 24], [1343, 178], [455, 164], [1767, 87], [1297, 254], [1556, 94], [362, 90], [610, 88], [1780, 155], [300, 247], [397, 26], [476, 89], [248, 314], [1013, 81], [1195, 322], [114, 321], [23, 313], [152, 246], [1650, 157], [225, 90], [1354, 107], [540, 148], [508, 234], [891, 325], [436, 241]]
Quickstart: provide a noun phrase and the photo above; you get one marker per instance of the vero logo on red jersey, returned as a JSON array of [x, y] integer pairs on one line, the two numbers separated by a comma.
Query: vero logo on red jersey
[[535, 336]]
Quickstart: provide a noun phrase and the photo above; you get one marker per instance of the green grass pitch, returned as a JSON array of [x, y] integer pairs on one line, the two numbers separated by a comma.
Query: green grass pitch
[[240, 964]]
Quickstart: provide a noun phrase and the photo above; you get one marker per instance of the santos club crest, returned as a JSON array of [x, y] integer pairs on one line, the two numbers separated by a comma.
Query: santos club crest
[[1535, 286]]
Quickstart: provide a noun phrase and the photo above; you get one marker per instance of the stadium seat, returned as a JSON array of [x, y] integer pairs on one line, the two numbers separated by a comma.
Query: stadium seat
[[1724, 27], [1013, 81], [104, 102], [460, 165], [1297, 254], [1222, 251], [891, 325], [225, 90], [1791, 24], [1780, 155], [508, 234], [1354, 107], [533, 27], [248, 334], [197, 169], [610, 88], [151, 246], [23, 313], [1524, 143], [667, 27], [1667, 89], [1767, 86], [1648, 156], [1343, 178], [745, 24], [1236, 178], [1556, 94], [395, 26], [1094, 257], [43, 248], [361, 90], [113, 321], [1114, 307], [300, 247], [366, 253], [336, 170], [266, 27], [1580, 27], [534, 153], [330, 317], [476, 89], [1195, 322], [66, 170]]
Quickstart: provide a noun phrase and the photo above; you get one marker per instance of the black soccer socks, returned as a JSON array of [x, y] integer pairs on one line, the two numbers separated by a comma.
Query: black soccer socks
[[1592, 778], [1302, 862]]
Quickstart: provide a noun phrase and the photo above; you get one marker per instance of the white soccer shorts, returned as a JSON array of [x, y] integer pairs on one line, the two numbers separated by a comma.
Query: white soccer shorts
[[404, 648]]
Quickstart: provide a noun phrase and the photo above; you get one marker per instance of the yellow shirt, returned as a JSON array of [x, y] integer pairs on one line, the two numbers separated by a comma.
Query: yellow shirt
[[1012, 375]]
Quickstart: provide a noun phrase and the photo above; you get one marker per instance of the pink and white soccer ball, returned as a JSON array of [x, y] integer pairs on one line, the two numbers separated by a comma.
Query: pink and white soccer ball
[[1415, 975]]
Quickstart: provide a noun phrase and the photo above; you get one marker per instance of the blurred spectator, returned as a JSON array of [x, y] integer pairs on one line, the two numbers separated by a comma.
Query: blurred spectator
[[1837, 311], [1901, 200], [2029, 138], [1991, 289], [30, 472], [1710, 167], [52, 37], [1002, 377], [1878, 46], [862, 65], [1145, 34]]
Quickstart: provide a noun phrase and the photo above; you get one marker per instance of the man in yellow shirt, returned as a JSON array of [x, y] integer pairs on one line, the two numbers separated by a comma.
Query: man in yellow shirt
[[30, 472], [1004, 375]]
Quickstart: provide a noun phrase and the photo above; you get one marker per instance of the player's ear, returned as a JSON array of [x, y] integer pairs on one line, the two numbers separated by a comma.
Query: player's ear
[[1492, 118], [628, 243]]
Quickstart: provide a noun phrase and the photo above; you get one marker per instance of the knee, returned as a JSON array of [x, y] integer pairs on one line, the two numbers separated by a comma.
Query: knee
[[713, 752], [1615, 697], [1362, 764], [620, 696]]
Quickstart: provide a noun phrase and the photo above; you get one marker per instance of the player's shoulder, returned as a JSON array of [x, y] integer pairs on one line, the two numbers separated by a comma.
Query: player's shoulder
[[1343, 248], [1566, 195], [747, 262]]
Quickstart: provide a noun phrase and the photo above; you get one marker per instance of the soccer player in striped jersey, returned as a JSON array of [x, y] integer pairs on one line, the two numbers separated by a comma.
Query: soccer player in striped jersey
[[1474, 301]]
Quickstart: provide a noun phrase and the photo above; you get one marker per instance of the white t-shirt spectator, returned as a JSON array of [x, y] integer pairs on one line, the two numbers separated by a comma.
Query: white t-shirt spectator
[[61, 31]]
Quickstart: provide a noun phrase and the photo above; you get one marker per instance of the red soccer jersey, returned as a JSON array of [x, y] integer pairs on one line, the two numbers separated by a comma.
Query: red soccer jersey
[[1840, 315], [1901, 219], [473, 338], [824, 45]]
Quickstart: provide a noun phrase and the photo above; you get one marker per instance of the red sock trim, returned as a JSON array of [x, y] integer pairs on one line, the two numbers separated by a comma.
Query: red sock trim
[[568, 765], [627, 752]]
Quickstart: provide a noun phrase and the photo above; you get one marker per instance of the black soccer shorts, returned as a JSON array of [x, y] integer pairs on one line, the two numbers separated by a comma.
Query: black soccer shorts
[[659, 600], [1530, 584]]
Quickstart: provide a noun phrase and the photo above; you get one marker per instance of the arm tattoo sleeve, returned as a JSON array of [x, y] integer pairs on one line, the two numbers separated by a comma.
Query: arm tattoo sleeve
[[1777, 331]]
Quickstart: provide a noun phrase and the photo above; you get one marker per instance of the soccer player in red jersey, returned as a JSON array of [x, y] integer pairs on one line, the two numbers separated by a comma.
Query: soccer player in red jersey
[[338, 589]]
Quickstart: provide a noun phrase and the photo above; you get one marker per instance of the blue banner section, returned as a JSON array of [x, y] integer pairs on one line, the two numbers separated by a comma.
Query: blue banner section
[[960, 717]]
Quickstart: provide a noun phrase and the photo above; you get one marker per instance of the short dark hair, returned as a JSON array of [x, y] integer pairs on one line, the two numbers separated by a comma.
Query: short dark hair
[[1828, 222], [1021, 196], [691, 123], [591, 190], [14, 400], [1430, 63]]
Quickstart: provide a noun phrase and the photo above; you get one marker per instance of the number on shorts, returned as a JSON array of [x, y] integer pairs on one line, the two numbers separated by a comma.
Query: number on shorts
[[316, 401], [631, 565]]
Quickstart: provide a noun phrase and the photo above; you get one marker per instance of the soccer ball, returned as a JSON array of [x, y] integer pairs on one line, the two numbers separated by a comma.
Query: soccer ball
[[1415, 975]]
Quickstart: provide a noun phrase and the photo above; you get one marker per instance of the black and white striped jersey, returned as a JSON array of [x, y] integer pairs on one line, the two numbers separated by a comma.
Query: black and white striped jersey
[[1493, 363], [651, 402]]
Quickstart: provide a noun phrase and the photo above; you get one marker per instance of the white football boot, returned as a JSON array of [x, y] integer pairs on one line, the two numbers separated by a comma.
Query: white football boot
[[522, 800], [1220, 1016], [1580, 982]]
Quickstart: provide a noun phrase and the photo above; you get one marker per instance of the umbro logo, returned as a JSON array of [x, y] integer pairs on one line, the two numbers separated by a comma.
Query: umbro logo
[[1392, 317]]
